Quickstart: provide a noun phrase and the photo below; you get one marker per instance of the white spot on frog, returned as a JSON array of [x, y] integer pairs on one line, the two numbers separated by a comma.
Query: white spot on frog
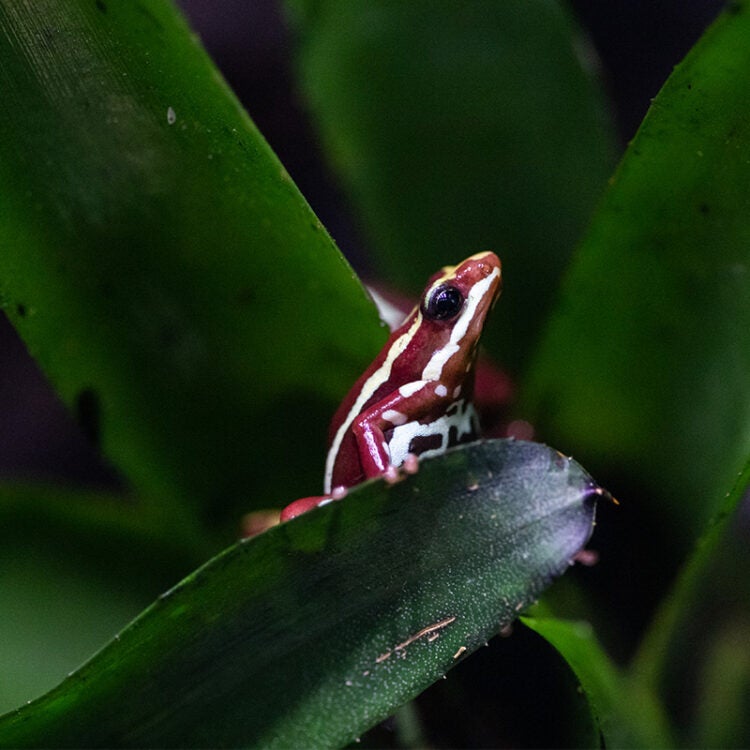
[[171, 116], [441, 391], [394, 417]]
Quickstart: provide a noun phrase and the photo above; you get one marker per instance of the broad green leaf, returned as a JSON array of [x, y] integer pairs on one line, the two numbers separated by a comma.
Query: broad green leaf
[[644, 369], [74, 569], [626, 716], [460, 127], [315, 630], [161, 265]]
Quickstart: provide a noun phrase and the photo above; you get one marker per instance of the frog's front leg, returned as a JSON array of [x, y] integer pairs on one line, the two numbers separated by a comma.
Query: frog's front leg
[[304, 504], [410, 403]]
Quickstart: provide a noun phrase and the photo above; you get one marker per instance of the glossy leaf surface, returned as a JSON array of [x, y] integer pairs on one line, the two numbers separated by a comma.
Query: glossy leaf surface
[[317, 629], [644, 368], [159, 262], [460, 127]]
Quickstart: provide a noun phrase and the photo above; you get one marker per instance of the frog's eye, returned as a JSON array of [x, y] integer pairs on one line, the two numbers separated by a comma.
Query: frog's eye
[[443, 303]]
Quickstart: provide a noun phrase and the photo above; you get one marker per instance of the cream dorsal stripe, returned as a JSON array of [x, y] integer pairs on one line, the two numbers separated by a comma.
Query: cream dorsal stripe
[[380, 376]]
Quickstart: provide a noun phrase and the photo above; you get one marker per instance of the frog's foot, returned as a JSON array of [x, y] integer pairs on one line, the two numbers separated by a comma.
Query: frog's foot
[[587, 557], [411, 463], [304, 504], [393, 474]]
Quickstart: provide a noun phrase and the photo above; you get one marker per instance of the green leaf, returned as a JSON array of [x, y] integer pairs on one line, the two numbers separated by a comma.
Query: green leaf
[[315, 630], [80, 564], [161, 265], [644, 368], [460, 127], [626, 716]]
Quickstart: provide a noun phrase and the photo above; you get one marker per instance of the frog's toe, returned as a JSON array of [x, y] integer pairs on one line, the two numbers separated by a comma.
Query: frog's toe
[[411, 463], [391, 474]]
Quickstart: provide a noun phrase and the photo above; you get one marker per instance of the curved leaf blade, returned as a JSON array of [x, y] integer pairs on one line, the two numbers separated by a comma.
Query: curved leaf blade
[[317, 629], [626, 716], [159, 262], [644, 367], [713, 579]]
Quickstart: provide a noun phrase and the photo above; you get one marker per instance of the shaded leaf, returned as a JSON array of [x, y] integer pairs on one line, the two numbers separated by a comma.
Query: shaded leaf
[[161, 265], [626, 717], [460, 127], [644, 368], [75, 567], [315, 630], [714, 579]]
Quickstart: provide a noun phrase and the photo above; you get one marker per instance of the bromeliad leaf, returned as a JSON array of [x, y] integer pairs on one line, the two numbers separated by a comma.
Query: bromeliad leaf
[[314, 631], [441, 119], [161, 265], [660, 285]]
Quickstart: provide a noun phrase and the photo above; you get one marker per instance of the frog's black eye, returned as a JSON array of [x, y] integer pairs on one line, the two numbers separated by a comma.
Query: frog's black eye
[[443, 303]]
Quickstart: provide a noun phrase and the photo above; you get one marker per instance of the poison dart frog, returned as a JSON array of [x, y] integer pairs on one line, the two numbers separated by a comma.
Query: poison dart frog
[[415, 399]]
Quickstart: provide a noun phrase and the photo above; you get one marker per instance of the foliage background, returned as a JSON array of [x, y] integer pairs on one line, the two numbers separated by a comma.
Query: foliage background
[[638, 44]]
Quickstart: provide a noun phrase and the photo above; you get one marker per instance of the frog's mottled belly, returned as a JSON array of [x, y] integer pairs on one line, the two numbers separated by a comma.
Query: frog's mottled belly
[[459, 424]]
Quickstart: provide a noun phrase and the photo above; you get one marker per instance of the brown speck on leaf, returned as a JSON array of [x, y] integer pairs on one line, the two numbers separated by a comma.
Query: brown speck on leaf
[[430, 631]]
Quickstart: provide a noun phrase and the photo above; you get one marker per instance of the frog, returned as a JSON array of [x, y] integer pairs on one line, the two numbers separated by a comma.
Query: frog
[[415, 399]]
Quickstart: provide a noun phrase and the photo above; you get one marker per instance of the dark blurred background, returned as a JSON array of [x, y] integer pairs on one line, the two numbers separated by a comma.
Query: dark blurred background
[[638, 41]]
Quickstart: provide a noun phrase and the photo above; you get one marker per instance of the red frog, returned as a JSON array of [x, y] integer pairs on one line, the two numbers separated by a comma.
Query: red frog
[[415, 399]]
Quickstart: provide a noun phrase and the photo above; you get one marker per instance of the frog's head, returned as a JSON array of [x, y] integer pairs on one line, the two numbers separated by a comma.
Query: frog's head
[[453, 309], [463, 293]]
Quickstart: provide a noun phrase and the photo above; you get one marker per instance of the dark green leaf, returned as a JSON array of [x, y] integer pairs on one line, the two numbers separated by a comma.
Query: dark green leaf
[[645, 366], [626, 716], [312, 632], [75, 567], [160, 263], [461, 127]]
